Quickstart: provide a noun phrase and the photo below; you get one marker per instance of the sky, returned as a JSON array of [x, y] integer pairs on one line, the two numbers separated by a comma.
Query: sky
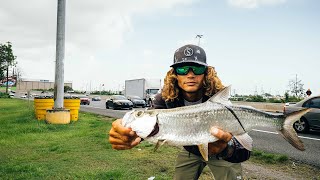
[[254, 45]]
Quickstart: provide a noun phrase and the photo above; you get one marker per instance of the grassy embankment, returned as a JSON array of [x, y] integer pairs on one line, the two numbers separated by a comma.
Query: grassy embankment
[[3, 88], [31, 149]]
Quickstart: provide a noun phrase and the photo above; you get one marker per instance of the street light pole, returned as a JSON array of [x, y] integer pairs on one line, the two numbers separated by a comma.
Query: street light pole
[[199, 36], [59, 71]]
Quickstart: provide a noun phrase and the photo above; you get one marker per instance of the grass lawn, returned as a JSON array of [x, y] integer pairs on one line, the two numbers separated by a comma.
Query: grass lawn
[[3, 88], [31, 149]]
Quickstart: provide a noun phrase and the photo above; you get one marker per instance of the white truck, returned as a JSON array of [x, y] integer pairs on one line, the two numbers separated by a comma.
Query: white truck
[[144, 88]]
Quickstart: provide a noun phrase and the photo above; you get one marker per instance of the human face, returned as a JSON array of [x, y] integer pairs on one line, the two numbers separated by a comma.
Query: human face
[[190, 83]]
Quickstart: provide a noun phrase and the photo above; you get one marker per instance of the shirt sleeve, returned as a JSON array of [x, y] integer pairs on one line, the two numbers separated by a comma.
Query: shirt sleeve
[[158, 102]]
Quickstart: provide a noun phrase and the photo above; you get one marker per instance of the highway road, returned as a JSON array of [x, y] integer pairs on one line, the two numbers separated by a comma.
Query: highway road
[[266, 139]]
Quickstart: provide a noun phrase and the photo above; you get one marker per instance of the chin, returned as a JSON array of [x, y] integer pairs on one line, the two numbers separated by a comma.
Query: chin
[[191, 90]]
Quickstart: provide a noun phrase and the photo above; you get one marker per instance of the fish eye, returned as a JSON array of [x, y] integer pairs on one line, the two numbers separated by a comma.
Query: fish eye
[[139, 113]]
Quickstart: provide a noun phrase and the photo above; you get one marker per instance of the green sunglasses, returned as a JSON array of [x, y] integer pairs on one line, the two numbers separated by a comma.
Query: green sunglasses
[[184, 70]]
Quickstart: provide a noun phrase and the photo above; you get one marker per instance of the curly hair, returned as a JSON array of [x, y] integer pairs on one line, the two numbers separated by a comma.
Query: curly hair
[[212, 84]]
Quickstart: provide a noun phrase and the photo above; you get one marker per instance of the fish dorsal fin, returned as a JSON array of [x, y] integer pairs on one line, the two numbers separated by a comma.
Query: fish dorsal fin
[[222, 96], [203, 148]]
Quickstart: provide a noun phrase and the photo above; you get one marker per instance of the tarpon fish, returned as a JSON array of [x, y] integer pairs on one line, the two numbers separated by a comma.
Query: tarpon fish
[[190, 125]]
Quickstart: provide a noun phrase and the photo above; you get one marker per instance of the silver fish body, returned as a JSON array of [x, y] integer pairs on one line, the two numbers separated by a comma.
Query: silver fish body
[[190, 125]]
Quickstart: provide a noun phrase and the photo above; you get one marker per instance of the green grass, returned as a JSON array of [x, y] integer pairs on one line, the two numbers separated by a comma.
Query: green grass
[[31, 149], [3, 88], [269, 158]]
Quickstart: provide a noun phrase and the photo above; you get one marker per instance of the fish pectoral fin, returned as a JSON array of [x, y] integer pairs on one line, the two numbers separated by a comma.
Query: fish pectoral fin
[[159, 144], [245, 140], [203, 148]]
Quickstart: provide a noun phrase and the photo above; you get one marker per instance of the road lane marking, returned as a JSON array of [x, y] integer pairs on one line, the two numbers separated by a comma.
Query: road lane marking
[[98, 108], [93, 107], [270, 132]]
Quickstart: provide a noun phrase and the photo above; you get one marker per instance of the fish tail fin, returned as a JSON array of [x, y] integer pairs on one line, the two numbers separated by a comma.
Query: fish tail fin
[[203, 148], [289, 133]]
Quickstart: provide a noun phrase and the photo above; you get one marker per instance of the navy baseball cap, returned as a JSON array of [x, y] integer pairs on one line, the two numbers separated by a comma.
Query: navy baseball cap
[[189, 54]]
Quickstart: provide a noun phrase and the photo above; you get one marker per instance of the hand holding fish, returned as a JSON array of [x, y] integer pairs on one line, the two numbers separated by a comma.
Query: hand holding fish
[[219, 145], [121, 137]]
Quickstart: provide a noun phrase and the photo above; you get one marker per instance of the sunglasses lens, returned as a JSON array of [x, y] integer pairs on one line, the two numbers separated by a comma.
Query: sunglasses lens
[[182, 70], [197, 70]]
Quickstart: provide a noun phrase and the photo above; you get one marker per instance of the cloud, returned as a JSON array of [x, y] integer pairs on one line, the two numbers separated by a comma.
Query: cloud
[[250, 4], [93, 29], [93, 25]]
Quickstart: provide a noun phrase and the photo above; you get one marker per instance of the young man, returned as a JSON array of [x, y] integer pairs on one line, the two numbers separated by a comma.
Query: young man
[[191, 81]]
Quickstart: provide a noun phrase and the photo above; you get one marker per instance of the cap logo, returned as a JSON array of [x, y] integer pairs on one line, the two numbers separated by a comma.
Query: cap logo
[[188, 52]]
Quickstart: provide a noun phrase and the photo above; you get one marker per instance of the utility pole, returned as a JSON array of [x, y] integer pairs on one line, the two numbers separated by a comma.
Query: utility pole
[[296, 85], [59, 71], [7, 77], [199, 36]]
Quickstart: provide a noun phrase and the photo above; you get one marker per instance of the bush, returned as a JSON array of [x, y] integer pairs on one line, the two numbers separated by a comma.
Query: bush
[[4, 95], [272, 100], [67, 88], [256, 98]]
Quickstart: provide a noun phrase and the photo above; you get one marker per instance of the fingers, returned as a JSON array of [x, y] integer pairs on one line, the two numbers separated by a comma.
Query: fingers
[[220, 134], [117, 126], [121, 137], [216, 147], [122, 146], [136, 141]]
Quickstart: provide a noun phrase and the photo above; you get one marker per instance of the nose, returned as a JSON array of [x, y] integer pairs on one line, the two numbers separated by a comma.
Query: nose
[[190, 73]]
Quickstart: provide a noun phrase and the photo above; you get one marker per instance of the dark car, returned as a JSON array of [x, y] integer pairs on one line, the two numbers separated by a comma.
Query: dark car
[[310, 120], [118, 102], [84, 100], [96, 98], [137, 101]]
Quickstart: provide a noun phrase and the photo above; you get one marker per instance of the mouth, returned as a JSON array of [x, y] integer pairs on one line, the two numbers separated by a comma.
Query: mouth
[[190, 83]]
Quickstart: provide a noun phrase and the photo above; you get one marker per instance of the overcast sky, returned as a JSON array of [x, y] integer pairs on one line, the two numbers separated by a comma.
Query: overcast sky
[[253, 44]]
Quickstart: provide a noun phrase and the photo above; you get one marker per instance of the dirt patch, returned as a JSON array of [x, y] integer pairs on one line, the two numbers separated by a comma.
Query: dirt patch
[[288, 171]]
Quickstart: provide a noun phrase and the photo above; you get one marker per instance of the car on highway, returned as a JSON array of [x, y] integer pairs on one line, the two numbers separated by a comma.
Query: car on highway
[[96, 98], [11, 95], [311, 120], [137, 101], [118, 102], [23, 96], [84, 100]]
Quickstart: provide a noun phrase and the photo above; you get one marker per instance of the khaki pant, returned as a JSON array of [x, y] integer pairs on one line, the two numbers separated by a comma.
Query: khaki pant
[[190, 166]]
